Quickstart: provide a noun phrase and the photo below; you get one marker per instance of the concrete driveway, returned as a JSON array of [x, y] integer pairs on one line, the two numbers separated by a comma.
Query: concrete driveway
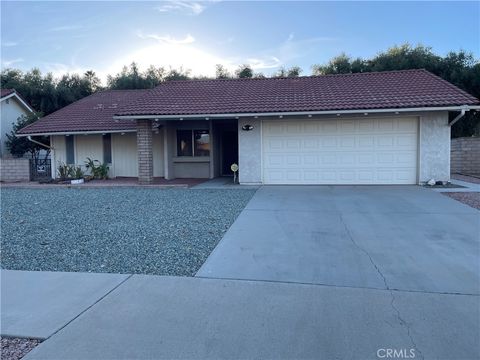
[[382, 237]]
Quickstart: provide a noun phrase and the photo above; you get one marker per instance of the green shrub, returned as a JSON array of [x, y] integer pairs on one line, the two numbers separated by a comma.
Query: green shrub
[[77, 172], [97, 169], [64, 171]]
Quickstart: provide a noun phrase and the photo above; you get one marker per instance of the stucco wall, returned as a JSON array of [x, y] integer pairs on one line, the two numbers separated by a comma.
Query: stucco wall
[[195, 170], [250, 151], [58, 154], [465, 156], [13, 170], [434, 147], [124, 155], [124, 152], [10, 111], [88, 146]]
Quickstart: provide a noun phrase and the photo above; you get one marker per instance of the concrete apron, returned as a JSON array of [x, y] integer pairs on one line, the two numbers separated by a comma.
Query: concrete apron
[[381, 237], [159, 317]]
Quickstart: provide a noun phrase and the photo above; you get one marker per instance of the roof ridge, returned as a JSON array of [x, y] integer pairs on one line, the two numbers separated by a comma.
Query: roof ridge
[[293, 77], [119, 90]]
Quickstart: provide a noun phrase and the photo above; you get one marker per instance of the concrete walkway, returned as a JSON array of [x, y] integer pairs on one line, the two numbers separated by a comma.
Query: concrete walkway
[[154, 317], [36, 304], [466, 187]]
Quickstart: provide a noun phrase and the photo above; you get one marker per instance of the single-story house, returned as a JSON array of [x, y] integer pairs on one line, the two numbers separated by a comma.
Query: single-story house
[[12, 106], [367, 128]]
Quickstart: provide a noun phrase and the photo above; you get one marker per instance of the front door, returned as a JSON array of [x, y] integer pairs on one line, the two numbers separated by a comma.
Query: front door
[[229, 151]]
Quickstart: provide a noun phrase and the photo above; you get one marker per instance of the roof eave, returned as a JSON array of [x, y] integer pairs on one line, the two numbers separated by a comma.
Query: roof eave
[[85, 132], [297, 113]]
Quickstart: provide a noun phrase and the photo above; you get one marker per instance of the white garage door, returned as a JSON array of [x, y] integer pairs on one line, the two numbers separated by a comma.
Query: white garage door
[[356, 151]]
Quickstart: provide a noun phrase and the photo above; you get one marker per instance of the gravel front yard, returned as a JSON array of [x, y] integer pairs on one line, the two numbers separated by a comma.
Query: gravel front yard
[[16, 348], [470, 198], [126, 230]]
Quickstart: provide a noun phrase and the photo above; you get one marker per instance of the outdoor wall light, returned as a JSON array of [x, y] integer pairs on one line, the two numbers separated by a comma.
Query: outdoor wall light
[[247, 127]]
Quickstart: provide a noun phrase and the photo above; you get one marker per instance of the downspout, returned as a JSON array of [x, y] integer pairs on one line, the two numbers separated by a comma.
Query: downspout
[[458, 117]]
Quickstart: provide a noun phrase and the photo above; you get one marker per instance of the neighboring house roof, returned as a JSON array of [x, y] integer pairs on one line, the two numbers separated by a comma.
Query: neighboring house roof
[[92, 113], [359, 91], [12, 93], [5, 92]]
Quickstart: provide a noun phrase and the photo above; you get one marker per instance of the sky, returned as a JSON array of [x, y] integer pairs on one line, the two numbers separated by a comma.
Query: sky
[[76, 36]]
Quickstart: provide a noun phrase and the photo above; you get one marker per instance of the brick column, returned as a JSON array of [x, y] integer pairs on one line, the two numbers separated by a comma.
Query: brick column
[[145, 151]]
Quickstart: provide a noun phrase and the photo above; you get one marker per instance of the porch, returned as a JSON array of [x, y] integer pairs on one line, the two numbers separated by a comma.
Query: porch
[[168, 150]]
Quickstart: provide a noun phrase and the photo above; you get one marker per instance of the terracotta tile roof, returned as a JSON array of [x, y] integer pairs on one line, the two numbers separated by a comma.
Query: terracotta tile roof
[[92, 113], [375, 90], [5, 92], [381, 90]]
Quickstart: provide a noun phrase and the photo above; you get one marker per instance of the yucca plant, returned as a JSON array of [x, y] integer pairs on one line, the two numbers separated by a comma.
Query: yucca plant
[[64, 171], [77, 172], [97, 169]]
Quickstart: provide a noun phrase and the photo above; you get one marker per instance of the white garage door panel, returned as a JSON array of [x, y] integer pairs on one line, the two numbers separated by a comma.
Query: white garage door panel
[[359, 151]]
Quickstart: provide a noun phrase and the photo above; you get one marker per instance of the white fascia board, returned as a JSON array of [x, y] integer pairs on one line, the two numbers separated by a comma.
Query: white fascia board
[[20, 100], [77, 133], [295, 113]]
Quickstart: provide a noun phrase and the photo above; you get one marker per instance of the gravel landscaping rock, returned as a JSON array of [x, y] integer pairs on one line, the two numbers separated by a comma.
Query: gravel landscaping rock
[[470, 198], [127, 230], [16, 348]]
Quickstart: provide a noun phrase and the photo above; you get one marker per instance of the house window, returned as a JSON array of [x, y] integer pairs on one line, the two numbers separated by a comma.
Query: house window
[[193, 143], [107, 148], [184, 143], [70, 149], [202, 143]]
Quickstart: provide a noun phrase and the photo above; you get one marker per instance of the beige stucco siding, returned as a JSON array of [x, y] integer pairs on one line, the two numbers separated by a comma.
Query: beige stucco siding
[[124, 155], [88, 146], [59, 152], [124, 152]]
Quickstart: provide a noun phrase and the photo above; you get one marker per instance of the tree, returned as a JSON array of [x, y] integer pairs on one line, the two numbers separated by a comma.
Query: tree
[[47, 94], [244, 71], [92, 81], [19, 146], [177, 74], [154, 76], [221, 72], [294, 71], [340, 64]]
